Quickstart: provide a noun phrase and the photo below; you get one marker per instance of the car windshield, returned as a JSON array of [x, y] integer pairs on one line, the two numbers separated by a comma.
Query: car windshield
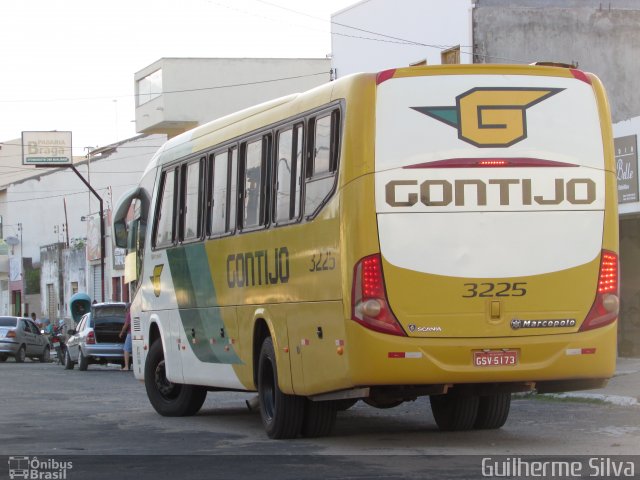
[[108, 314], [8, 322]]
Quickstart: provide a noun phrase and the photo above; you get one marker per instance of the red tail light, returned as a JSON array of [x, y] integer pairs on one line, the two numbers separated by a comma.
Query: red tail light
[[580, 75], [11, 334], [91, 338], [369, 306], [385, 75], [605, 307]]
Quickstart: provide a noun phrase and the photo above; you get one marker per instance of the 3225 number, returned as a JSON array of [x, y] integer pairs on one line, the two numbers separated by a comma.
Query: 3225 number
[[322, 261], [501, 289]]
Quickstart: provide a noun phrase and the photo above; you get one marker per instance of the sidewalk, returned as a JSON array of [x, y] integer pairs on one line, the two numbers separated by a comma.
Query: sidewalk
[[623, 389]]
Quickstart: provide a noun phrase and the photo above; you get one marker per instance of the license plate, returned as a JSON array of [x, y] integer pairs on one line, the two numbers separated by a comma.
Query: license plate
[[495, 358], [55, 344]]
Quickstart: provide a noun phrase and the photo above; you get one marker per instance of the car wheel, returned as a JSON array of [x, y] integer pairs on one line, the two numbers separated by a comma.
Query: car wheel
[[46, 355], [3, 358], [83, 362], [21, 355], [282, 414], [68, 363], [167, 398]]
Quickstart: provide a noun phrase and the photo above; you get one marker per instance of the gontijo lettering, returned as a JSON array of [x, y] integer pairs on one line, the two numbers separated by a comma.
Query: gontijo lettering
[[439, 193], [250, 269]]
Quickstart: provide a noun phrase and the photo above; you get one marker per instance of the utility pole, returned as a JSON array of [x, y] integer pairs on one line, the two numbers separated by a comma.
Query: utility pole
[[66, 221], [22, 289], [102, 239]]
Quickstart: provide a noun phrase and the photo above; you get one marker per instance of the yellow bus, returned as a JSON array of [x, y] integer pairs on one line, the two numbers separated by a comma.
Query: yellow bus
[[442, 231]]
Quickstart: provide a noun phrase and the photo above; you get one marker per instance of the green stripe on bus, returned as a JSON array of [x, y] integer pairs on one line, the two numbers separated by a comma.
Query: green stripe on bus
[[196, 297]]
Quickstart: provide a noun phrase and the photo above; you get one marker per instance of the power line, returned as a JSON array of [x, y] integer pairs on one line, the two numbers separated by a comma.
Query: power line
[[392, 38], [186, 90], [83, 192]]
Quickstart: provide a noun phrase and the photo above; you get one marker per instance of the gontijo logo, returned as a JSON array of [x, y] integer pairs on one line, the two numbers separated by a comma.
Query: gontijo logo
[[490, 116]]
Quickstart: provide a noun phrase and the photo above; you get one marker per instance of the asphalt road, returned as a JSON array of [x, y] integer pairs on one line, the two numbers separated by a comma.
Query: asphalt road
[[101, 420]]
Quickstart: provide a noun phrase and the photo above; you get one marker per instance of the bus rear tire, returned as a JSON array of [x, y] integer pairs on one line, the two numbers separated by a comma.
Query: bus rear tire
[[167, 398], [493, 411], [455, 412], [319, 418], [281, 414]]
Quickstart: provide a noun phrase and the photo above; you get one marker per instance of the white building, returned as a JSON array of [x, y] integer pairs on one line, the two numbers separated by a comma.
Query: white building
[[176, 94], [376, 35]]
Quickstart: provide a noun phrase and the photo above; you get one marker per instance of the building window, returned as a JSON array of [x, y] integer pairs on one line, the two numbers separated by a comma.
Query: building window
[[149, 87], [74, 288]]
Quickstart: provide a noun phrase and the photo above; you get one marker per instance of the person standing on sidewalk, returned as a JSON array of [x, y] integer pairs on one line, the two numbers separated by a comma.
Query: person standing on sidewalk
[[126, 329]]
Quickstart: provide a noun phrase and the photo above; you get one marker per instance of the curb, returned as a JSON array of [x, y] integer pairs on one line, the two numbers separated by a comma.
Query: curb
[[618, 400]]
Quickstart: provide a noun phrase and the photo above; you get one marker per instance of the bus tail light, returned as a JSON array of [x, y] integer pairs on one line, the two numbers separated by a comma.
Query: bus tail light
[[606, 305], [369, 306], [91, 338]]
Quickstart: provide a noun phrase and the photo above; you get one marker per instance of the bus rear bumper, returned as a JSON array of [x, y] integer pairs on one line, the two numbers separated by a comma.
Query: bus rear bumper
[[548, 363]]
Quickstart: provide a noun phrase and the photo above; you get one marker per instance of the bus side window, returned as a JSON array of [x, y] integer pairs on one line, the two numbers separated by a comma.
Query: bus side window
[[254, 195], [288, 171], [233, 191], [191, 199], [220, 193], [165, 213], [322, 160]]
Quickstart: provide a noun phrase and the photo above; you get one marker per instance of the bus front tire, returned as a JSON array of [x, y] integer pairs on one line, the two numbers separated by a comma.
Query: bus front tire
[[493, 411], [455, 412], [167, 398], [282, 415]]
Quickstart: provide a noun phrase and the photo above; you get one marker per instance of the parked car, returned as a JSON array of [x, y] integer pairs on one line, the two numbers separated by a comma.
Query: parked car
[[96, 338], [21, 338]]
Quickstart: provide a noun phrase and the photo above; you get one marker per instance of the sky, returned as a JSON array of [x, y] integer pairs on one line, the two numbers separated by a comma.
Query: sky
[[68, 65]]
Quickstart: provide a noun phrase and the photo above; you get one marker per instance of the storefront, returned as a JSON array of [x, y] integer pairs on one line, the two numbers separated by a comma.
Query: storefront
[[626, 134]]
